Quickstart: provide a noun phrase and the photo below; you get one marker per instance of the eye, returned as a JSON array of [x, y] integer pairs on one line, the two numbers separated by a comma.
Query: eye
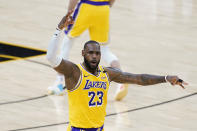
[[90, 52], [98, 53]]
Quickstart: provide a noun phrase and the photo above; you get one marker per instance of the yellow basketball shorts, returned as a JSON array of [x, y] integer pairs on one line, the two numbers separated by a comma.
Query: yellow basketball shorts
[[70, 128], [95, 18]]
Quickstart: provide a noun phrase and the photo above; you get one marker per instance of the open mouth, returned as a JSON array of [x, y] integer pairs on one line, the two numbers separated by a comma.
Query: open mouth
[[93, 63]]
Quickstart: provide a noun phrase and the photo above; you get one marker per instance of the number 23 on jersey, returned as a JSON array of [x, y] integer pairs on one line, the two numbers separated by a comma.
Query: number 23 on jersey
[[93, 97]]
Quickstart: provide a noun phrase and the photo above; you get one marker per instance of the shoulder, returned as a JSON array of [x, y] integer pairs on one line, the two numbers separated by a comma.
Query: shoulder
[[112, 72]]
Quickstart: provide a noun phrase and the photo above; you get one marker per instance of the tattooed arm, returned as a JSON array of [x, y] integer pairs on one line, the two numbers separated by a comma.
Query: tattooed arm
[[118, 76]]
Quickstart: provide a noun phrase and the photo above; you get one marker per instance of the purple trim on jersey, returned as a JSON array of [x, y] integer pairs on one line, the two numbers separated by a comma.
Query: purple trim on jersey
[[78, 83], [107, 75], [89, 72]]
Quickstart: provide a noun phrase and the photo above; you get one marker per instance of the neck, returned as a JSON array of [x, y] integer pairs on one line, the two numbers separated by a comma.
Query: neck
[[94, 72]]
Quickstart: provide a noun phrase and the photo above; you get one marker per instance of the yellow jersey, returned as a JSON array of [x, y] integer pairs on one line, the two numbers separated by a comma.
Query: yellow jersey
[[88, 100]]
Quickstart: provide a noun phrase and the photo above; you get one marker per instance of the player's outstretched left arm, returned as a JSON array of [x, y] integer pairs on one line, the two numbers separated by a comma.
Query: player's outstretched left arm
[[65, 67], [62, 66], [117, 75]]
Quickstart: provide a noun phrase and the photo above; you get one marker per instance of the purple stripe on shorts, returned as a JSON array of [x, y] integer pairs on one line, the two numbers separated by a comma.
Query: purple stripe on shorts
[[74, 17]]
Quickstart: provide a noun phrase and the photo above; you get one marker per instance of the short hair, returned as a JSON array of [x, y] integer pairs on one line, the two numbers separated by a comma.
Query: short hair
[[90, 42]]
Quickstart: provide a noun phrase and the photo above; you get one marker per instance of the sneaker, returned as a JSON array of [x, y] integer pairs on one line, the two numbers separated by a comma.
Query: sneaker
[[57, 89], [121, 92]]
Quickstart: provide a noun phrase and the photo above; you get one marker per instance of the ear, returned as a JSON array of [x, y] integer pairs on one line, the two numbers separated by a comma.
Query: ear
[[83, 53]]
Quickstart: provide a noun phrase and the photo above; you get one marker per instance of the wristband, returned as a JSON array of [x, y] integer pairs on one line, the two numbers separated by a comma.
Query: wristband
[[166, 78]]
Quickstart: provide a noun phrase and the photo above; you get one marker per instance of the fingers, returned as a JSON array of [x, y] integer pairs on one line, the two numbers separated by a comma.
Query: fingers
[[181, 83], [185, 83], [69, 17], [71, 20], [175, 80], [66, 20], [69, 13]]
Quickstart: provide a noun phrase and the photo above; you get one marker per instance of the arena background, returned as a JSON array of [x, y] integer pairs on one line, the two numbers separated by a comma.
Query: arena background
[[154, 36]]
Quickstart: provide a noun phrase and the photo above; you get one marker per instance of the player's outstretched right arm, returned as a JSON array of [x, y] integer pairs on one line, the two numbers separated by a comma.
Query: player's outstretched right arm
[[117, 75]]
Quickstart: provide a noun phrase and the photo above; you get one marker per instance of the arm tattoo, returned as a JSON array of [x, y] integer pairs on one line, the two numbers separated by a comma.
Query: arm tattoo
[[140, 79], [147, 79]]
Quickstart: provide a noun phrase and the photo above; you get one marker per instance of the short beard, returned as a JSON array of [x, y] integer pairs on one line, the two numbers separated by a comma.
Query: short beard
[[89, 66]]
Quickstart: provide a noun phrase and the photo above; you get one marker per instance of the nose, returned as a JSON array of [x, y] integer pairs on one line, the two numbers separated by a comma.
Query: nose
[[94, 55]]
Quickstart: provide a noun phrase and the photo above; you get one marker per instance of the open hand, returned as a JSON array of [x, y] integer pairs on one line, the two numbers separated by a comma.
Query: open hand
[[175, 80], [66, 20]]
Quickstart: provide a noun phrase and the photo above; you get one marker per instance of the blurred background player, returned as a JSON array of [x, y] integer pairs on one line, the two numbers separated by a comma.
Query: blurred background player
[[94, 16]]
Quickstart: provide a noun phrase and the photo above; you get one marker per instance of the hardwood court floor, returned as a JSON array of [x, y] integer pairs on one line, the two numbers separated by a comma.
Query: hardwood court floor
[[154, 36]]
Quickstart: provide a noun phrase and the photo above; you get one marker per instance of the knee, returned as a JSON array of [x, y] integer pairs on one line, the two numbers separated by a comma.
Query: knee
[[109, 57]]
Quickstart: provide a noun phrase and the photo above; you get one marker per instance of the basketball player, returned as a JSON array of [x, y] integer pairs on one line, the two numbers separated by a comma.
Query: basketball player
[[88, 83], [94, 16]]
